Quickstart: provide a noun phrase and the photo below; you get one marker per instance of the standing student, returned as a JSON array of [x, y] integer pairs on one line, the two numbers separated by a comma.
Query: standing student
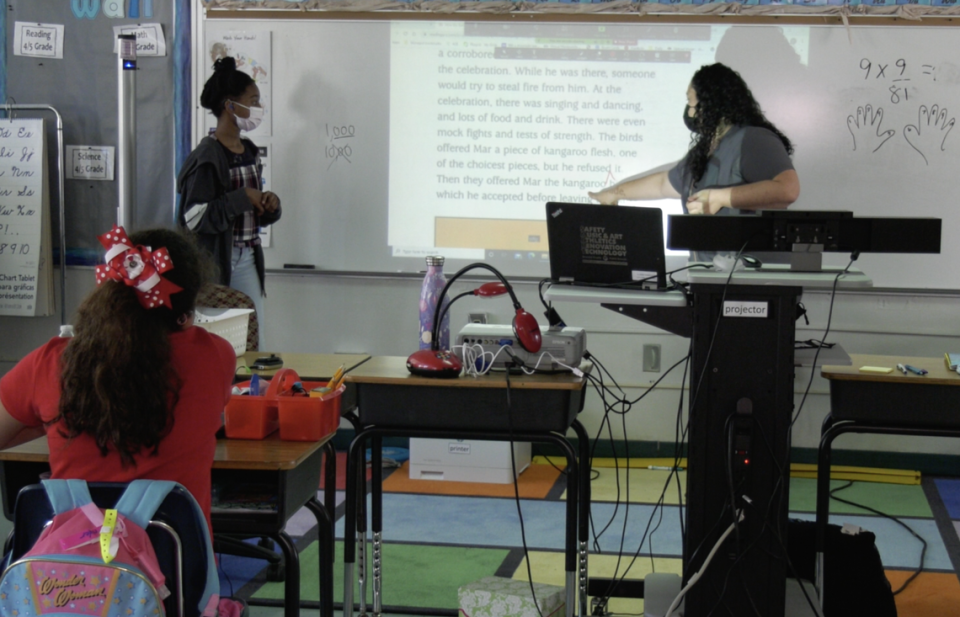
[[220, 184], [738, 162], [139, 391]]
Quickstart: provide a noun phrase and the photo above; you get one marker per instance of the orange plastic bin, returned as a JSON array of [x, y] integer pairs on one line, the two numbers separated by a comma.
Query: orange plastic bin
[[255, 417], [304, 418]]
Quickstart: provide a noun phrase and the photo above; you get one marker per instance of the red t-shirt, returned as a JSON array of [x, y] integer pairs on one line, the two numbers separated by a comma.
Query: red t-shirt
[[206, 363]]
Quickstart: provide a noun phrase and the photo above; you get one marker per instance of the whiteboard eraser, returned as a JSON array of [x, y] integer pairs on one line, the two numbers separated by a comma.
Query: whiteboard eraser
[[876, 369]]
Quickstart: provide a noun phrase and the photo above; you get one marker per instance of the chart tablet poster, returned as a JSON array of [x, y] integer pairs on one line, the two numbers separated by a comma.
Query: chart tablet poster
[[252, 51], [25, 254]]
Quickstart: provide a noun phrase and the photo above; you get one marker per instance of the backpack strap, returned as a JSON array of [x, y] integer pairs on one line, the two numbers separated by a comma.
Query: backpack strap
[[140, 502], [210, 600], [142, 498], [66, 495]]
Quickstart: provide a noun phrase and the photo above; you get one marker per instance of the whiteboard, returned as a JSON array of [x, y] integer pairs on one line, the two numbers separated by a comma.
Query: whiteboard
[[357, 129]]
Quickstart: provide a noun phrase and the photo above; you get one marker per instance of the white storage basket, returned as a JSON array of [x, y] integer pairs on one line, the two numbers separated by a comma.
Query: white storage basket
[[231, 324]]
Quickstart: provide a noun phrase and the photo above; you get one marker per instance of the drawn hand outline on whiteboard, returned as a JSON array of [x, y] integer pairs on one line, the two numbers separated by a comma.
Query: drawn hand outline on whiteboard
[[932, 127], [862, 125]]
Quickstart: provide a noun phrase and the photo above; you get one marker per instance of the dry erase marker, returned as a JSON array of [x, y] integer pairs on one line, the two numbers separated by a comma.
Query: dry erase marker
[[902, 368], [915, 370]]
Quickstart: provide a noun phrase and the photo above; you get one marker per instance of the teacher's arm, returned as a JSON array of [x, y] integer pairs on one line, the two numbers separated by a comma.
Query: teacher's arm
[[775, 194], [654, 186]]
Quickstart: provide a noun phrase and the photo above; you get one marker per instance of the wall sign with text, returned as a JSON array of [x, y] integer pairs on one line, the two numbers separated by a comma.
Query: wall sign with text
[[90, 162], [38, 40]]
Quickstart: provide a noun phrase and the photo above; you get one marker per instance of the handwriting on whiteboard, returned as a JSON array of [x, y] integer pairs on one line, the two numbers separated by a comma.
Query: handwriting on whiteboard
[[338, 143], [907, 82]]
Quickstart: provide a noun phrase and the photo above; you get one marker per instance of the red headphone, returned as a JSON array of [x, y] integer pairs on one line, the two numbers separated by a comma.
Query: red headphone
[[436, 362]]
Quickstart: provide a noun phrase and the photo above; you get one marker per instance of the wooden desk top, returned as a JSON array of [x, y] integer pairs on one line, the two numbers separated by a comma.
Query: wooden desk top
[[392, 370], [268, 454], [939, 373], [310, 366]]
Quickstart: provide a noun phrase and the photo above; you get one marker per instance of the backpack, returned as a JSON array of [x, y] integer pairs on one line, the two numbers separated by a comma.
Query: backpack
[[854, 579], [90, 561]]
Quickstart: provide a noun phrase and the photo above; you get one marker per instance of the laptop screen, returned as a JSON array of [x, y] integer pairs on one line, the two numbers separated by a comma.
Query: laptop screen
[[606, 245]]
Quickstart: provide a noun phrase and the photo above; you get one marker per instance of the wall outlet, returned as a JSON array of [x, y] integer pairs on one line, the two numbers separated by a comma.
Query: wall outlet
[[651, 358], [476, 318]]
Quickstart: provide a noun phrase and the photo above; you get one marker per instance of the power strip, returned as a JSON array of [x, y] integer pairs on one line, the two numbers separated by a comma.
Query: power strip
[[562, 347]]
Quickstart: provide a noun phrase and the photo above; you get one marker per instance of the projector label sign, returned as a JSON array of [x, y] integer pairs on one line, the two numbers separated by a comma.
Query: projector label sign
[[742, 308]]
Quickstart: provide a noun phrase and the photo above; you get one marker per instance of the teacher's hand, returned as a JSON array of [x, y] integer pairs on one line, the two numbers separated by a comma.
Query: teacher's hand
[[708, 201], [607, 197]]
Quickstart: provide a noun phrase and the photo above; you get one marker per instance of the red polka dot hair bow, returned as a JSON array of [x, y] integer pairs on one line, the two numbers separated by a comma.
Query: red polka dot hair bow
[[137, 266]]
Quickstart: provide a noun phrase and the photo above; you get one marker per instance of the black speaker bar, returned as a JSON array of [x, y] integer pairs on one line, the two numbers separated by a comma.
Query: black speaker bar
[[780, 230]]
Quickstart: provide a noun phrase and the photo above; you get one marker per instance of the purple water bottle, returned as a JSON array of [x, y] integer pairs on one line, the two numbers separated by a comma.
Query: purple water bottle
[[433, 284]]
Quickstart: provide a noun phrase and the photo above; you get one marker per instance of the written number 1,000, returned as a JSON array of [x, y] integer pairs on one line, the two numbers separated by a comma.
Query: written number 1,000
[[14, 249]]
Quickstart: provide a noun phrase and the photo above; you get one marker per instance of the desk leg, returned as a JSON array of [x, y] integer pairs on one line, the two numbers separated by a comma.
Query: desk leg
[[330, 478], [291, 583], [376, 518], [573, 500], [583, 518], [830, 431], [325, 543], [356, 494]]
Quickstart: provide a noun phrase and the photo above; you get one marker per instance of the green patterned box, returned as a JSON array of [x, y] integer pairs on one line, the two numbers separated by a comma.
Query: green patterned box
[[505, 597]]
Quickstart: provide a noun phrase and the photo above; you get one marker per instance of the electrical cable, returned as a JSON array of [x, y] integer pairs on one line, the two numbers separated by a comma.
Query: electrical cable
[[816, 355], [696, 577], [603, 390], [516, 495], [923, 550], [658, 506]]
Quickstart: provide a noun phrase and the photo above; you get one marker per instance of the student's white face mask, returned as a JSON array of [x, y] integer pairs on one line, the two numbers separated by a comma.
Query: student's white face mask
[[252, 122]]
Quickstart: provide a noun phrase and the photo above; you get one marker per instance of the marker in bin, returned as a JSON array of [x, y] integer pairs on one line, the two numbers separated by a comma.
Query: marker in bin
[[332, 385]]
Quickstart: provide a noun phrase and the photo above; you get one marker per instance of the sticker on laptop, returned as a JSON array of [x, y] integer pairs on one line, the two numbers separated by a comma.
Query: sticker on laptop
[[640, 275]]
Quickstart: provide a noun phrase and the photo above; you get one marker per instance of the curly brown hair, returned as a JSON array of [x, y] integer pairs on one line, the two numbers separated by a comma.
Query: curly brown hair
[[117, 383], [722, 97]]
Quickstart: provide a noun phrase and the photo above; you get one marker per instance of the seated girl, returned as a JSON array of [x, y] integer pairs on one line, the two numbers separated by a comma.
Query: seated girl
[[139, 391]]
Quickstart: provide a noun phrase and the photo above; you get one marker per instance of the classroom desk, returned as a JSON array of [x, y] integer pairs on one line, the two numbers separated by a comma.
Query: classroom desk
[[391, 401], [293, 467], [311, 366], [885, 403]]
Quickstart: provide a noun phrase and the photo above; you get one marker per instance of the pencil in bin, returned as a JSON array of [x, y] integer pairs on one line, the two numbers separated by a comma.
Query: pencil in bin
[[332, 385]]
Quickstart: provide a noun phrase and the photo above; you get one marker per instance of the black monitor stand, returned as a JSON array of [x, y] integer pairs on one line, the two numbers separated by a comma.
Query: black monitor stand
[[739, 441], [739, 448]]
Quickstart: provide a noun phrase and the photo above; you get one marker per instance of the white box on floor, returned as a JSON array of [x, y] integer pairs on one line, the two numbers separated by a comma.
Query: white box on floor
[[505, 597], [464, 460]]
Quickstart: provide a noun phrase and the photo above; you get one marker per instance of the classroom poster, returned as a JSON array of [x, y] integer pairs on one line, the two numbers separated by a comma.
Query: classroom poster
[[252, 51], [25, 253]]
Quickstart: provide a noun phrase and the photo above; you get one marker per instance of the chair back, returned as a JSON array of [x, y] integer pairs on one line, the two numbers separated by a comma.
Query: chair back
[[220, 296], [186, 576]]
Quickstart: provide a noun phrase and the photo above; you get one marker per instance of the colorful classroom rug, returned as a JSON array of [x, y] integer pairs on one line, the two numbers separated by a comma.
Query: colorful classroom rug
[[439, 535]]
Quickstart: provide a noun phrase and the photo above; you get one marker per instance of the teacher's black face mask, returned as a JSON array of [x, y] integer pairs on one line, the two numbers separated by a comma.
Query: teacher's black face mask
[[691, 123]]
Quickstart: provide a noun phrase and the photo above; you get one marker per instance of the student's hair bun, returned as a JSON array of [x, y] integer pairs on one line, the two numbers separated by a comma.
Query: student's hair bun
[[227, 63], [225, 82]]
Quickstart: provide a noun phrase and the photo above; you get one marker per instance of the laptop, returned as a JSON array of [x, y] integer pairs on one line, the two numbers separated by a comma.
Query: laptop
[[610, 246]]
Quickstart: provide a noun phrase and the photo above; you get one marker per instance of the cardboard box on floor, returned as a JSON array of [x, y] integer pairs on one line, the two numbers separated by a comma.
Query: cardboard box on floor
[[494, 596]]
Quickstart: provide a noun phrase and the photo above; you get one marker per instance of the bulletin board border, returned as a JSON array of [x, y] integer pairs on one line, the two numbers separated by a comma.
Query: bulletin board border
[[750, 12]]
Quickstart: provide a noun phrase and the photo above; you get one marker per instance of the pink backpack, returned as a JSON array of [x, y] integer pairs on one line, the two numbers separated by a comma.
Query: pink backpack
[[90, 561]]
